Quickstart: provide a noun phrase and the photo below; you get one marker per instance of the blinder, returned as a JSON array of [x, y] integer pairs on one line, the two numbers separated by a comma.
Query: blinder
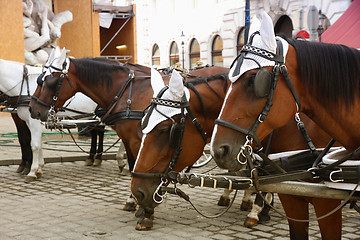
[[52, 82], [175, 135], [262, 83], [39, 80]]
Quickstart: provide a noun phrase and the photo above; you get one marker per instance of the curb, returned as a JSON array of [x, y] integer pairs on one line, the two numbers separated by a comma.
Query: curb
[[7, 162]]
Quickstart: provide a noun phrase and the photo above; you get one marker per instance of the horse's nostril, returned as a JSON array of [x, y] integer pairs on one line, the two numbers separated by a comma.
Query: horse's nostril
[[222, 151], [139, 195], [38, 115]]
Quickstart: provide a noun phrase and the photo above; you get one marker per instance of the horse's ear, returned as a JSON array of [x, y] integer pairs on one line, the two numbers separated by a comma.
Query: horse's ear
[[51, 57], [62, 56], [176, 85], [267, 33], [157, 83], [254, 26]]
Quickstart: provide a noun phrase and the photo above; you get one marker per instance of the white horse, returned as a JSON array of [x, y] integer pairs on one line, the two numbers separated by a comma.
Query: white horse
[[13, 83]]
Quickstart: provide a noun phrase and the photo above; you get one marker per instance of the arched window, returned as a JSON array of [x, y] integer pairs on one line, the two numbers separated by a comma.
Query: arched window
[[284, 26], [194, 53], [156, 55], [216, 51], [174, 54], [240, 40]]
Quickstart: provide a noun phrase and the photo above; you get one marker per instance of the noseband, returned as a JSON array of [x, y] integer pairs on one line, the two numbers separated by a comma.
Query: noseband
[[264, 87], [176, 132]]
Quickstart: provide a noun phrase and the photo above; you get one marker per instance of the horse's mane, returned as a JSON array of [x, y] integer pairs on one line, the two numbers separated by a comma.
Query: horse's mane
[[190, 84], [199, 80], [330, 71], [96, 71], [138, 67]]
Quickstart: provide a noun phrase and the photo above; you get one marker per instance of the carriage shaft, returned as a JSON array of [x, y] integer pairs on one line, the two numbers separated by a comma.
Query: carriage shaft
[[307, 189]]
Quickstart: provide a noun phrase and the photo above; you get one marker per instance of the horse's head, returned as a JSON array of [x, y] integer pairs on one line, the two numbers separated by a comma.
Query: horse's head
[[167, 129], [54, 86], [245, 118]]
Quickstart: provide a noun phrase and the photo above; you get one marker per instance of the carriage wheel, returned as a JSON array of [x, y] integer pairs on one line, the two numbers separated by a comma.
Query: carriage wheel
[[204, 159]]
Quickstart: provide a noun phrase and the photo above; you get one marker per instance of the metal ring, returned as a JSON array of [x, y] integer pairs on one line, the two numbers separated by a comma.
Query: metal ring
[[333, 172], [156, 193], [238, 158]]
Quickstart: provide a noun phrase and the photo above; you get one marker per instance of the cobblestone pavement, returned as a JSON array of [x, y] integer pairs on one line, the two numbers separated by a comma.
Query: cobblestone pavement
[[72, 201]]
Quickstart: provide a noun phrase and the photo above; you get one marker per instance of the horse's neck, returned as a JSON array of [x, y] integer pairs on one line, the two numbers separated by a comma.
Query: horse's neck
[[104, 97], [12, 76], [340, 123], [212, 104]]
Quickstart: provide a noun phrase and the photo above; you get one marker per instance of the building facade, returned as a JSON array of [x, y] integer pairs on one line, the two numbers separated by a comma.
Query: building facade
[[189, 33]]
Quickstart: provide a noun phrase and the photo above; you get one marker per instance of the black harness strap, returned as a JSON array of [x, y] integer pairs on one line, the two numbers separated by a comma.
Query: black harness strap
[[286, 76], [114, 117]]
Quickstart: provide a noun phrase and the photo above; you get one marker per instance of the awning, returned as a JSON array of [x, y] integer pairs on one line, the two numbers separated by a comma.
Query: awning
[[346, 30]]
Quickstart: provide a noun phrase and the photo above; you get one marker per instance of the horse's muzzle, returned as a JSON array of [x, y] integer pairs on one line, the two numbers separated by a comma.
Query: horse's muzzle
[[225, 157]]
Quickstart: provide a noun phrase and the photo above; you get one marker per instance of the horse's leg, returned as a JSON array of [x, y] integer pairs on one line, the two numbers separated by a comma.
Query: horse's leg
[[90, 160], [100, 148], [330, 227], [253, 217], [24, 137], [120, 157], [264, 214], [246, 203], [297, 208], [36, 146], [225, 198], [130, 204]]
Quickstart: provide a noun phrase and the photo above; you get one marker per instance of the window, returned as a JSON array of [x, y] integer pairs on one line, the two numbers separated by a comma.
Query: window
[[174, 54], [194, 53], [240, 40], [156, 55], [216, 51]]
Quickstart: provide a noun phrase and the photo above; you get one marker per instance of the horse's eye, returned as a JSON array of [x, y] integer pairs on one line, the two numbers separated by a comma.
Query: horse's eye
[[164, 130], [251, 80]]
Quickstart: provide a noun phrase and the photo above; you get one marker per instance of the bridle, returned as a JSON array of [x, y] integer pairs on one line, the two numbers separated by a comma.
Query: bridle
[[54, 83], [176, 136], [271, 82]]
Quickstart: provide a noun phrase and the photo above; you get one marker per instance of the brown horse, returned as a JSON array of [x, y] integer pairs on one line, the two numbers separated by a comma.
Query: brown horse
[[324, 85], [119, 89], [205, 102]]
